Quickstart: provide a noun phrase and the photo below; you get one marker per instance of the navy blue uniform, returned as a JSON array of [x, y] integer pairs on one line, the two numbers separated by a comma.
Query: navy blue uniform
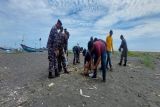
[[123, 48]]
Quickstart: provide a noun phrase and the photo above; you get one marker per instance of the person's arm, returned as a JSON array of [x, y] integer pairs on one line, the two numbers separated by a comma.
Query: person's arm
[[120, 46], [106, 42], [98, 61], [112, 46]]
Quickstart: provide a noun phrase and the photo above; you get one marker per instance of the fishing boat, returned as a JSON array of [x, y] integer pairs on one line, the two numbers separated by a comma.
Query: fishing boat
[[29, 49]]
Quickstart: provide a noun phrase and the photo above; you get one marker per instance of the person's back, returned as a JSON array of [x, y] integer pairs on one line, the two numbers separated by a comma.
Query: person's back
[[74, 49], [124, 45], [99, 47], [109, 43]]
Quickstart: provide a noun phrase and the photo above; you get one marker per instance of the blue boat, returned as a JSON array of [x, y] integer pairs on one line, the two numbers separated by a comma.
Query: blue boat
[[29, 49]]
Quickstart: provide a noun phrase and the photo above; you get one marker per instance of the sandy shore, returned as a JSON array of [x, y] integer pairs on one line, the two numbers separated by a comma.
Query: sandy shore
[[24, 83]]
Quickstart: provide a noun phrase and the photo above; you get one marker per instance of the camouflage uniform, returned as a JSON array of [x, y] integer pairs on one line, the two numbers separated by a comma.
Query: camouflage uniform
[[52, 46], [61, 56], [66, 41]]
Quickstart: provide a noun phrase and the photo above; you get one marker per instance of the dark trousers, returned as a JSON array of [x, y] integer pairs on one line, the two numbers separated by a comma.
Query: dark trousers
[[52, 62], [78, 57], [103, 65], [75, 58], [123, 55], [61, 61]]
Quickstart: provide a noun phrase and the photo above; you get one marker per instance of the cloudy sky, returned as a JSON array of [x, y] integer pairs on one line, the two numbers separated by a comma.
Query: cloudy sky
[[137, 20]]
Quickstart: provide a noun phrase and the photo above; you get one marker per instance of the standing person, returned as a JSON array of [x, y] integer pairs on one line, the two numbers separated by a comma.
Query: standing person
[[109, 48], [75, 48], [61, 57], [53, 51], [124, 51], [84, 52], [66, 41], [98, 49], [78, 53]]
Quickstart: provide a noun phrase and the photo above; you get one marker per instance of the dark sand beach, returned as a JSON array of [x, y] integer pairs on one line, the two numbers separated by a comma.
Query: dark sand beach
[[24, 83]]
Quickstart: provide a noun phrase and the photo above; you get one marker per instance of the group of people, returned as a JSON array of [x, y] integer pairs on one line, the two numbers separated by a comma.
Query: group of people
[[98, 51], [57, 50]]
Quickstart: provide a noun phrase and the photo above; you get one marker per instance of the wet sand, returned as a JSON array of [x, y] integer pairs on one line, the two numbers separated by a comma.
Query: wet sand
[[24, 83]]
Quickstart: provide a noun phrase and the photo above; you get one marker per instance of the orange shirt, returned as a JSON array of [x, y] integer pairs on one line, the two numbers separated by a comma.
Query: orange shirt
[[109, 43]]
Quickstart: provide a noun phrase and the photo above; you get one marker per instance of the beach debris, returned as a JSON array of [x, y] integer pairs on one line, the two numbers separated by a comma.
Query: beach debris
[[81, 93], [92, 88], [5, 67], [51, 84], [22, 100], [159, 95], [131, 77], [69, 106]]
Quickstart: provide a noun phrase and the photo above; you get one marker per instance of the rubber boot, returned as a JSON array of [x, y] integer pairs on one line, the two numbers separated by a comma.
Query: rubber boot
[[65, 71], [56, 73], [125, 63], [50, 75], [120, 63], [59, 68]]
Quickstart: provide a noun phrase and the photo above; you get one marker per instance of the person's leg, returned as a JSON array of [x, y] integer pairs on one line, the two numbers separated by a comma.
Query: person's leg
[[109, 60], [95, 70], [50, 68], [74, 59], [55, 63], [78, 60], [125, 59], [86, 68], [121, 59], [64, 63], [103, 65], [59, 62], [78, 57]]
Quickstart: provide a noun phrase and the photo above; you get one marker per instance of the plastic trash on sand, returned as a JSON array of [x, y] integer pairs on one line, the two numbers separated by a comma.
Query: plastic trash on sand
[[81, 93], [51, 84], [92, 88]]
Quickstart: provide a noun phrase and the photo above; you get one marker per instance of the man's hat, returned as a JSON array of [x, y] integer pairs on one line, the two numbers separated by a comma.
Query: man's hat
[[59, 22]]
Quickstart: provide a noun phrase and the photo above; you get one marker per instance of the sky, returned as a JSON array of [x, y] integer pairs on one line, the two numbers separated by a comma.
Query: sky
[[137, 20]]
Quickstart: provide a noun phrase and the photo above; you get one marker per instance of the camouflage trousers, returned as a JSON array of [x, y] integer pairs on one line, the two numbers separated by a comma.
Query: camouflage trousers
[[61, 61], [52, 61]]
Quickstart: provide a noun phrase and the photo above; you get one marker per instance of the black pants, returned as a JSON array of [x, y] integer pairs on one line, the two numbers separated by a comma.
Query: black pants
[[123, 55], [61, 60]]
